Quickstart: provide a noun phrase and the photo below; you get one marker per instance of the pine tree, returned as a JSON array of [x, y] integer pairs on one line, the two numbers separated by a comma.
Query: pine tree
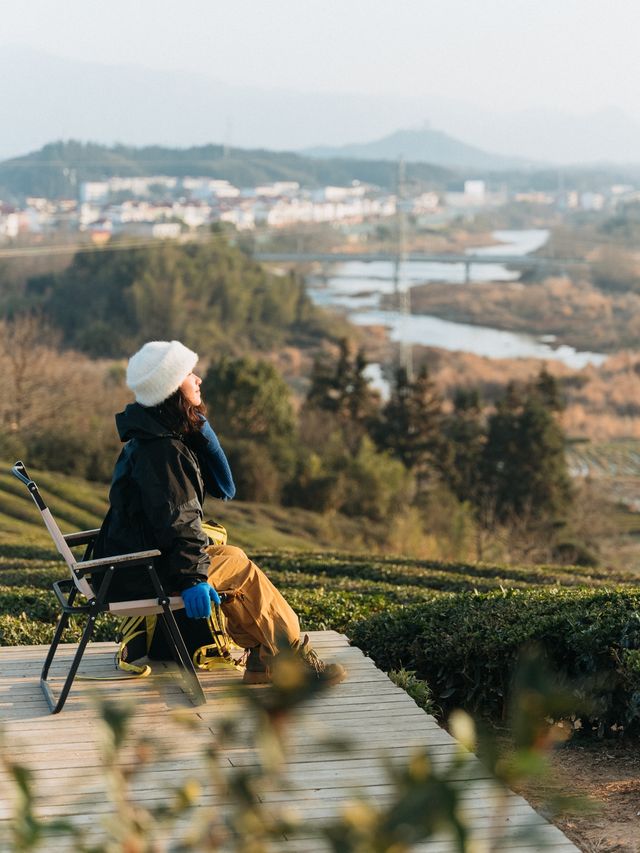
[[525, 468], [343, 389], [411, 425], [548, 388], [465, 434]]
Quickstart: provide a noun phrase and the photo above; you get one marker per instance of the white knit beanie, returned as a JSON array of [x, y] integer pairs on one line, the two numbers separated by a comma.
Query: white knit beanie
[[158, 369]]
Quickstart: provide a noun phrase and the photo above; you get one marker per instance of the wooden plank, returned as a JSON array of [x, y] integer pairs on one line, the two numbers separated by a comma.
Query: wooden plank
[[380, 720]]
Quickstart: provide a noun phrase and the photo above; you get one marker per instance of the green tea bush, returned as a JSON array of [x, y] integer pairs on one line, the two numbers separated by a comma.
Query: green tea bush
[[33, 578], [432, 574], [325, 609], [22, 630], [466, 647], [40, 605]]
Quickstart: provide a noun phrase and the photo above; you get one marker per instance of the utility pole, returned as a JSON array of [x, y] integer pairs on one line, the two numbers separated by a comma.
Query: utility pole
[[401, 290], [226, 142]]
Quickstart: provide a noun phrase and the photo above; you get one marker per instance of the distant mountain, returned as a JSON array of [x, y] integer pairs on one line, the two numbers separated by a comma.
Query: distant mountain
[[56, 170], [603, 136], [44, 97], [423, 145]]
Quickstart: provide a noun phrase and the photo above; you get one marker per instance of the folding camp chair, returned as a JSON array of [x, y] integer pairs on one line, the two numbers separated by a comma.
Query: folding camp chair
[[96, 601]]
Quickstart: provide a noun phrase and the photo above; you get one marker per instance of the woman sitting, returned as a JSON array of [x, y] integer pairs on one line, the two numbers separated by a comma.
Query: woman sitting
[[170, 458]]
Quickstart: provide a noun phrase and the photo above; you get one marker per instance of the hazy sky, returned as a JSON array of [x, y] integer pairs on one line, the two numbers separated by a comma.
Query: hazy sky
[[576, 55]]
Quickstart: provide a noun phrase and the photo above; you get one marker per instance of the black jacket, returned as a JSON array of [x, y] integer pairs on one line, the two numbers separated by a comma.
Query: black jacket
[[156, 499]]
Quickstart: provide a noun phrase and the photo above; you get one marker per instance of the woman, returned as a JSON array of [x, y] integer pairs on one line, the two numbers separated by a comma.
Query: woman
[[171, 456]]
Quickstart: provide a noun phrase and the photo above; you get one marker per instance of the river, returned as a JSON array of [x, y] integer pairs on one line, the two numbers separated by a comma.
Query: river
[[358, 286]]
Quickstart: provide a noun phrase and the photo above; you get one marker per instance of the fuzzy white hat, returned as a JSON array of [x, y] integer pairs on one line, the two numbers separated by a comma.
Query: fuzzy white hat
[[158, 369]]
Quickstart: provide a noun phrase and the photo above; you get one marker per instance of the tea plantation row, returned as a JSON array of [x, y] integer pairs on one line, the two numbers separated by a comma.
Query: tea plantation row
[[458, 626]]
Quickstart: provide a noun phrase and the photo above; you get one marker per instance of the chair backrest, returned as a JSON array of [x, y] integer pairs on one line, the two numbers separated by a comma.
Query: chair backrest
[[82, 584]]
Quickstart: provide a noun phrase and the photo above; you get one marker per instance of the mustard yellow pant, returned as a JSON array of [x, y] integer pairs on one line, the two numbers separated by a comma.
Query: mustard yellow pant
[[256, 612]]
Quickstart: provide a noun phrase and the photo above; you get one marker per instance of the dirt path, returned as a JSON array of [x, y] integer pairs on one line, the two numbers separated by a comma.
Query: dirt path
[[608, 774]]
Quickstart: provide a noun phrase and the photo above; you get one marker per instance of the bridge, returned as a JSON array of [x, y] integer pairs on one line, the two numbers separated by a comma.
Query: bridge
[[525, 261], [520, 262]]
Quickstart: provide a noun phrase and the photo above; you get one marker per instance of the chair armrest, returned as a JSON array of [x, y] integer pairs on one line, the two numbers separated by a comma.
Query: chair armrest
[[83, 537], [120, 561]]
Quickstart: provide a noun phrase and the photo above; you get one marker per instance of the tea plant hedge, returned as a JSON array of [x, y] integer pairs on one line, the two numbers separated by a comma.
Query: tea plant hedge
[[466, 647]]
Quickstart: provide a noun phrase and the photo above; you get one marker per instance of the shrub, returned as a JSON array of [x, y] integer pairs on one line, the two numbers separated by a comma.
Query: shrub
[[255, 474], [416, 688], [22, 630], [466, 647]]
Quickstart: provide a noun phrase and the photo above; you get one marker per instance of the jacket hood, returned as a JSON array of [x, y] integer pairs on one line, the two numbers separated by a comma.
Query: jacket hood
[[138, 422]]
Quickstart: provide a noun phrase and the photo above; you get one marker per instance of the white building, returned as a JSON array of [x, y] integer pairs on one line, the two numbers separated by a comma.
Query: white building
[[88, 214], [209, 188], [278, 188], [592, 201], [475, 190], [193, 214], [141, 186], [241, 215], [94, 192], [9, 222]]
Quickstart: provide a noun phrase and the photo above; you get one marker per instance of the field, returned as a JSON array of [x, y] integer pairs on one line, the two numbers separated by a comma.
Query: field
[[329, 587], [303, 553]]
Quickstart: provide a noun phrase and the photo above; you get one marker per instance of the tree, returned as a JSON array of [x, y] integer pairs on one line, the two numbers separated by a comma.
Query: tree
[[56, 408], [249, 399], [548, 388], [210, 295], [524, 460], [342, 388], [616, 270], [250, 405], [376, 485], [465, 434], [411, 425]]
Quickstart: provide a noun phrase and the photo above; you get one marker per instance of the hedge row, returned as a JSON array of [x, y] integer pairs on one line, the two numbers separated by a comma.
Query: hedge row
[[434, 574], [467, 647], [22, 630]]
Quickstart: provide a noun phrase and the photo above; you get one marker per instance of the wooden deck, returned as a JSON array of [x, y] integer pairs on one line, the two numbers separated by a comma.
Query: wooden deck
[[376, 716]]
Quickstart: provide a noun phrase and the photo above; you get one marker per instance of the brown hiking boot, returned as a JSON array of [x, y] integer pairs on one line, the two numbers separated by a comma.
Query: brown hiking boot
[[328, 673], [256, 671]]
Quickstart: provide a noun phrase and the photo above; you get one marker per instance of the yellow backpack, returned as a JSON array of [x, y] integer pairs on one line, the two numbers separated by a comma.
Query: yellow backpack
[[206, 639]]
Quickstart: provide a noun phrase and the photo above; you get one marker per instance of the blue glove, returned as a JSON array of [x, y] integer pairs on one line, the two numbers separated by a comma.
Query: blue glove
[[197, 600]]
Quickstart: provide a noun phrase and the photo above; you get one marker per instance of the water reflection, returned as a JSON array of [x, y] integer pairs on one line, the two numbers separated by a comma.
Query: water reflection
[[494, 343]]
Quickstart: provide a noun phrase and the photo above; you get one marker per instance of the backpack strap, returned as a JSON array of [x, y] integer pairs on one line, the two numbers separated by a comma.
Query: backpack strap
[[130, 628], [218, 653]]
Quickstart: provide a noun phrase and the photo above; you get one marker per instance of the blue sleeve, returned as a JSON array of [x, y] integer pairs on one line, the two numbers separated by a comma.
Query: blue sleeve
[[216, 473]]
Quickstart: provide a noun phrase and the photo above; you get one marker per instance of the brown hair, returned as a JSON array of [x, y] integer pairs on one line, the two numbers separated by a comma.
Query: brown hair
[[179, 414]]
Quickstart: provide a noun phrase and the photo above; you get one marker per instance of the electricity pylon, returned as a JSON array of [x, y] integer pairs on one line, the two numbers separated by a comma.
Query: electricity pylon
[[401, 288]]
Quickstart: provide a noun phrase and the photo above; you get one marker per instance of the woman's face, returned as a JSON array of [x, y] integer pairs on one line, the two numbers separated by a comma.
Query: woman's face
[[191, 389]]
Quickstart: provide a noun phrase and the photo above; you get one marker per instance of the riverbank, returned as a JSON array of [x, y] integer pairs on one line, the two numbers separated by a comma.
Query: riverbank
[[366, 292], [602, 402], [575, 313]]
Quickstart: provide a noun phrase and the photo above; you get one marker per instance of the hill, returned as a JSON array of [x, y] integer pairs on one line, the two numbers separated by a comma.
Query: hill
[[56, 170], [78, 504], [326, 567], [48, 97], [423, 145]]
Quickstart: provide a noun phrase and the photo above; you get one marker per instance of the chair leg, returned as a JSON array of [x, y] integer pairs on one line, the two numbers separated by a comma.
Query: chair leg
[[182, 656], [56, 704]]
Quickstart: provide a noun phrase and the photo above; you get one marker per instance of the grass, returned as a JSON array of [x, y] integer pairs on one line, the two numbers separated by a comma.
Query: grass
[[77, 505]]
